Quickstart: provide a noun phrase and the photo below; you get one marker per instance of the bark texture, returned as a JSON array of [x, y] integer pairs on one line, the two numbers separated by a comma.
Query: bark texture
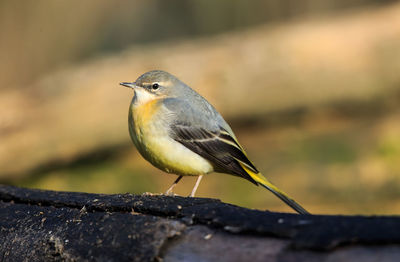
[[39, 225]]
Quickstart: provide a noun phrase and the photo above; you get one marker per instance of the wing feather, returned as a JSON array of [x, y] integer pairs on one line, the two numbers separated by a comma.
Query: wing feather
[[203, 130], [219, 147]]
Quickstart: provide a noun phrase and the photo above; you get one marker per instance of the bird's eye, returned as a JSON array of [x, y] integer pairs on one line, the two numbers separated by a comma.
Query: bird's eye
[[155, 86]]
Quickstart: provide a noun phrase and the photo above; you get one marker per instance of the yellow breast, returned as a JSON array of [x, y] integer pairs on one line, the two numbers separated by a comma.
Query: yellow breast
[[150, 134]]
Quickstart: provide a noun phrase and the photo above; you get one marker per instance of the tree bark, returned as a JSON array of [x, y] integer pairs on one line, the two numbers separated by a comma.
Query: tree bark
[[39, 225]]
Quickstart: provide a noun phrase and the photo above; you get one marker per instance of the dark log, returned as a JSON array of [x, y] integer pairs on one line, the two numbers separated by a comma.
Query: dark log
[[39, 225]]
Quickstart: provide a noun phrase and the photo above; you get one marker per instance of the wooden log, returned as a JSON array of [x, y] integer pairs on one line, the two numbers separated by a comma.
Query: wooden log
[[39, 225]]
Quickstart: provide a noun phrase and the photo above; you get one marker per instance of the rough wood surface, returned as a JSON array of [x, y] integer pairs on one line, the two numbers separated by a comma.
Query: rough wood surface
[[38, 225]]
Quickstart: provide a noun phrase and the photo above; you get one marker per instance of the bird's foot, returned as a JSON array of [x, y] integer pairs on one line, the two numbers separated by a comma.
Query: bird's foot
[[169, 193]]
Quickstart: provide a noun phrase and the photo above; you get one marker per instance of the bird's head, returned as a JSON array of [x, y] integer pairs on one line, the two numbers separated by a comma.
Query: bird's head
[[155, 84]]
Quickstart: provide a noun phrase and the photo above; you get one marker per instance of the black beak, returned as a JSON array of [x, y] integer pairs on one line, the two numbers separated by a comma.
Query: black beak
[[128, 84]]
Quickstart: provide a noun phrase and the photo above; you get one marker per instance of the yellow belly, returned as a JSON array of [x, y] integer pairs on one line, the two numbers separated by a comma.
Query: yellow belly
[[150, 135]]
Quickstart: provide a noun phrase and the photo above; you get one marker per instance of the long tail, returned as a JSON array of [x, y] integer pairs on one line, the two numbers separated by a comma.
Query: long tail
[[261, 180]]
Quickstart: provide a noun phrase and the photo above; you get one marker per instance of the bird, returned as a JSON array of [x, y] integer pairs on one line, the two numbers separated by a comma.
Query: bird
[[180, 132]]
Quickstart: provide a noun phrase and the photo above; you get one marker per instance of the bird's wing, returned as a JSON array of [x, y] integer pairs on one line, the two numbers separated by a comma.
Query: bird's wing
[[202, 132], [206, 133]]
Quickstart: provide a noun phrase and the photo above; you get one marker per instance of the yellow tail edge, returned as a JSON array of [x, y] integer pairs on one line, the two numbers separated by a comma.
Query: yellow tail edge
[[261, 180]]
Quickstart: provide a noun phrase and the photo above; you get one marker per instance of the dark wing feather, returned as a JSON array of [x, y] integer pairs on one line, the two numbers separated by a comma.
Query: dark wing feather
[[218, 147]]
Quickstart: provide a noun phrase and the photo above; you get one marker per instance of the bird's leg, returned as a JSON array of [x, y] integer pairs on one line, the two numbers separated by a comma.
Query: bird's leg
[[169, 191], [196, 186]]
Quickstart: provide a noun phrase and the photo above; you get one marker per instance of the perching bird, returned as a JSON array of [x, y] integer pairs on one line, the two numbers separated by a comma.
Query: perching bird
[[178, 131]]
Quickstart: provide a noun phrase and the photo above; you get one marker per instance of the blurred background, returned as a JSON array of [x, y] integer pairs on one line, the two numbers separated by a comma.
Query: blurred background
[[311, 89]]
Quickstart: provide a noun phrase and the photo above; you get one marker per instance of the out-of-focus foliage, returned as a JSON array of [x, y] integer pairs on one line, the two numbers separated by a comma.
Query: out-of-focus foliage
[[311, 88]]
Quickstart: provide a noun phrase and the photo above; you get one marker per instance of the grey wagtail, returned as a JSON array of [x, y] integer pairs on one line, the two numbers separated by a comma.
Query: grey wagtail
[[178, 131]]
